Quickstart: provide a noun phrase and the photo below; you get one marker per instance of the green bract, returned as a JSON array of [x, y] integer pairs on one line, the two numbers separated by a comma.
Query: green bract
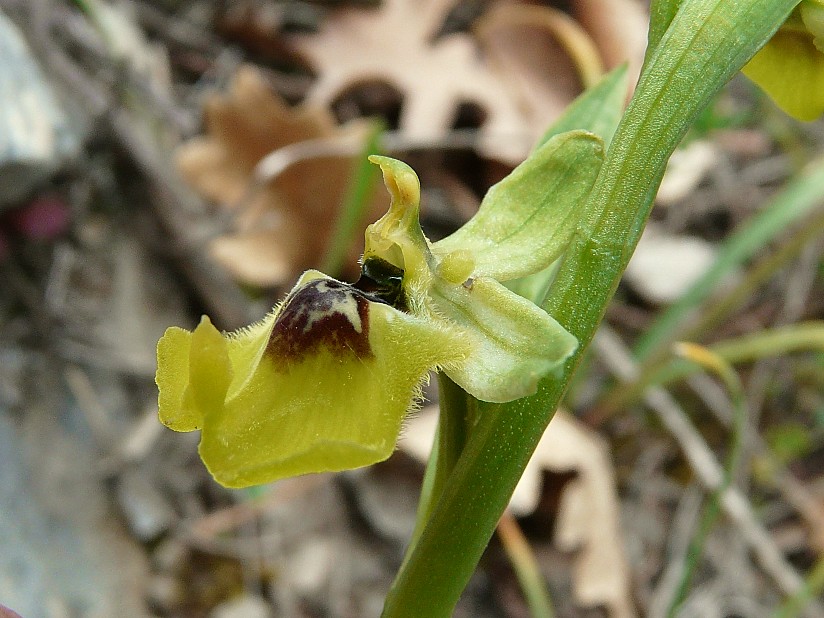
[[790, 67], [324, 381]]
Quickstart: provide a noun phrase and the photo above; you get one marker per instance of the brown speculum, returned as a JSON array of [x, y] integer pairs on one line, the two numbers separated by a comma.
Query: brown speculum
[[326, 314], [331, 315]]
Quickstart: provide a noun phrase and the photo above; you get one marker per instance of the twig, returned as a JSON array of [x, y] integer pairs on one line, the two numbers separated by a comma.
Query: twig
[[525, 566], [707, 469], [683, 525]]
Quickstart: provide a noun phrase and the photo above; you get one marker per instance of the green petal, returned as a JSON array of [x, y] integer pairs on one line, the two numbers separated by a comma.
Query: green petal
[[790, 69], [513, 343], [397, 236], [526, 221]]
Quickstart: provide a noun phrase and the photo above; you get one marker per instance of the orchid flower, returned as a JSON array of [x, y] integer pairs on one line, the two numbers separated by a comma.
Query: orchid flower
[[790, 67], [324, 382]]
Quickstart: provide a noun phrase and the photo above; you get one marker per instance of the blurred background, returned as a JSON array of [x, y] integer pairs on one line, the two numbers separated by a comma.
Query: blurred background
[[164, 159]]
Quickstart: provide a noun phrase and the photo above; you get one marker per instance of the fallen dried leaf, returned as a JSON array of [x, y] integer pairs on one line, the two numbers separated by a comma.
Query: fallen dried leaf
[[548, 56], [619, 29], [283, 228], [522, 67], [588, 515], [665, 265], [393, 44]]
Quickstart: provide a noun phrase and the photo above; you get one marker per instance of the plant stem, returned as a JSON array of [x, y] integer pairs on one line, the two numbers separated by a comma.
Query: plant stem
[[706, 43], [456, 416]]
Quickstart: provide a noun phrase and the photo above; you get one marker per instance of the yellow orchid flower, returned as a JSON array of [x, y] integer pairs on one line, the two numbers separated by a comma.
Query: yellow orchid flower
[[790, 67], [324, 381]]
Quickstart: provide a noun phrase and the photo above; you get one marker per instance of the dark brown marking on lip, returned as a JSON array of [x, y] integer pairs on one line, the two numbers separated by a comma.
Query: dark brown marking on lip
[[324, 313]]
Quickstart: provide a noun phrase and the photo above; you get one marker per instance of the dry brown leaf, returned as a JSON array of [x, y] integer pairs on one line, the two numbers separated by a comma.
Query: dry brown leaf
[[284, 227], [619, 29], [530, 63], [393, 44], [542, 53], [588, 516], [547, 56]]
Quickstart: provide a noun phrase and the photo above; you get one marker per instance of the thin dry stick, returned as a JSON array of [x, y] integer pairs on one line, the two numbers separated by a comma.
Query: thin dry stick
[[525, 566], [702, 460], [683, 527], [782, 479]]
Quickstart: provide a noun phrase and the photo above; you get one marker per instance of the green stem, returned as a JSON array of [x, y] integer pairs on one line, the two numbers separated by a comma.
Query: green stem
[[706, 43], [807, 336], [454, 421]]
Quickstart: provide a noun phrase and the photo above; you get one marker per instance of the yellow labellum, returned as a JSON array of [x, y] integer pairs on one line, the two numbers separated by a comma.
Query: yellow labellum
[[322, 384]]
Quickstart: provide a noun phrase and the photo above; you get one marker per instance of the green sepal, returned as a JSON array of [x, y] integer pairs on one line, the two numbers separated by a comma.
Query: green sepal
[[513, 343], [527, 220], [598, 110]]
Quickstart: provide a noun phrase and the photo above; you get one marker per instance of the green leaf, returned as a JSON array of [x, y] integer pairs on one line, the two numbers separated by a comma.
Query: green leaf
[[661, 14], [526, 221]]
